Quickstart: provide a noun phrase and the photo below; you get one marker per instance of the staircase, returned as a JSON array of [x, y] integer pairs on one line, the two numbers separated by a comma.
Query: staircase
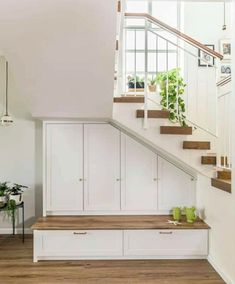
[[208, 143]]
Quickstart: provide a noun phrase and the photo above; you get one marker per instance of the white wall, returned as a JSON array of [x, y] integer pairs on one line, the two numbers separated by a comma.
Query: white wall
[[219, 210], [203, 21], [62, 54], [20, 152]]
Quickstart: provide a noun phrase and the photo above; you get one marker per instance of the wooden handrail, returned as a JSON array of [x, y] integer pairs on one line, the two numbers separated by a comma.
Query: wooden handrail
[[224, 81], [176, 32]]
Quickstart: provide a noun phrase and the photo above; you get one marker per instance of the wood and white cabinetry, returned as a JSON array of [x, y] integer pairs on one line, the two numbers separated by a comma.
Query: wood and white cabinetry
[[95, 169], [118, 237]]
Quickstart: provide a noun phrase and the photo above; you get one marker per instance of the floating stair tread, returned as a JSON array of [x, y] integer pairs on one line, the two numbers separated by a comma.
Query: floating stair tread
[[176, 130], [113, 223], [208, 160], [225, 175], [197, 145], [153, 113], [224, 185], [129, 99]]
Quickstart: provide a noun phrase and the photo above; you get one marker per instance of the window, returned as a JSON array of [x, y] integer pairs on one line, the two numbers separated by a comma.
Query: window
[[161, 55]]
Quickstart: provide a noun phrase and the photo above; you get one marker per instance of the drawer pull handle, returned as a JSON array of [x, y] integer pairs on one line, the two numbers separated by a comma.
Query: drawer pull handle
[[166, 233], [76, 233]]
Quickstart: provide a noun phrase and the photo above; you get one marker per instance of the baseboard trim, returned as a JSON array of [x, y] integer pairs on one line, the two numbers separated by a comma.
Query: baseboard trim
[[8, 231], [225, 277]]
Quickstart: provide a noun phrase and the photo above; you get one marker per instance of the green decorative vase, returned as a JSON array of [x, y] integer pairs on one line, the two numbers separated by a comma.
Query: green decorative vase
[[176, 213], [190, 213]]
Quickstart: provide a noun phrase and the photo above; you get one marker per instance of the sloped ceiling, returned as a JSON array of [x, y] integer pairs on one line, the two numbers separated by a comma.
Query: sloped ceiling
[[61, 55]]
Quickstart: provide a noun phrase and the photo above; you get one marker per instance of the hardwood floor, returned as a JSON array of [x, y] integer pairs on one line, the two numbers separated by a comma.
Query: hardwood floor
[[16, 266]]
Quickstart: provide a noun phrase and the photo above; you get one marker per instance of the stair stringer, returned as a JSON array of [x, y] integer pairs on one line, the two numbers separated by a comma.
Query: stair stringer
[[170, 147]]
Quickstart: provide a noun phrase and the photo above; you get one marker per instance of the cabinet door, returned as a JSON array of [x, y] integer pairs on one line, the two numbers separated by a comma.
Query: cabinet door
[[101, 167], [64, 167], [139, 176], [176, 188]]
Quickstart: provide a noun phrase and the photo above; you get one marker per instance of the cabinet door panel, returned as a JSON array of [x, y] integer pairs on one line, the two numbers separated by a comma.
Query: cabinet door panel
[[101, 167], [139, 176], [64, 167], [176, 188]]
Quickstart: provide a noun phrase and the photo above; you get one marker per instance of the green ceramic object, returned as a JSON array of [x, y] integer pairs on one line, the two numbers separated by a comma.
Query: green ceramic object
[[190, 213], [176, 212]]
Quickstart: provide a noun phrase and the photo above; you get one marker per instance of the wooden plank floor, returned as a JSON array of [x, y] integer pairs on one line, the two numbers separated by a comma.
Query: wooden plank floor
[[16, 266]]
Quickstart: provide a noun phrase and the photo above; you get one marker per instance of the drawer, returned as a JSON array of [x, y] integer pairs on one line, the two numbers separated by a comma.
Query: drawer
[[165, 242], [79, 243]]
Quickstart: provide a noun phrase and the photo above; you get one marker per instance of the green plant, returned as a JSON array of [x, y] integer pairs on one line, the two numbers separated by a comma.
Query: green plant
[[3, 188], [135, 80], [16, 189], [10, 209], [152, 80], [174, 102]]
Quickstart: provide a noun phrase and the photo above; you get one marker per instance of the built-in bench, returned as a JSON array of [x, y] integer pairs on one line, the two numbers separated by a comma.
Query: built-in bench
[[118, 237]]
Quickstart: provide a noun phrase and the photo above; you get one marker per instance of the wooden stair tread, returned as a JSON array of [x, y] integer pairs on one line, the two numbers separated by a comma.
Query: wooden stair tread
[[197, 145], [113, 222], [224, 185], [176, 130], [225, 175], [208, 160], [129, 99], [153, 113]]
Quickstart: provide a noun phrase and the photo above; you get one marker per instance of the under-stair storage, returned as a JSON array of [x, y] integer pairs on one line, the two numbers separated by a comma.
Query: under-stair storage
[[166, 243], [63, 167], [101, 167], [139, 176], [96, 169], [176, 188], [118, 237]]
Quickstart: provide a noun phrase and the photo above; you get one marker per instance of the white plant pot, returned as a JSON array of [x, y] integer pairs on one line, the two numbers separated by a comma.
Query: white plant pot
[[3, 199], [16, 197]]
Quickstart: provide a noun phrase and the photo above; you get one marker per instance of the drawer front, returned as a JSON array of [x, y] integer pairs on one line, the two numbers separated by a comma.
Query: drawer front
[[81, 243], [165, 242]]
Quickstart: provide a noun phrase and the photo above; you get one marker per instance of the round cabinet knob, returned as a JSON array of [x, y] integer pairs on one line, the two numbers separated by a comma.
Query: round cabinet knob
[[155, 179], [80, 179], [118, 179]]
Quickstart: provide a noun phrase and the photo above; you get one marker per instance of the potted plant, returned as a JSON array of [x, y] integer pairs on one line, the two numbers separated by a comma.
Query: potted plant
[[152, 84], [135, 84], [15, 193], [171, 99], [3, 193]]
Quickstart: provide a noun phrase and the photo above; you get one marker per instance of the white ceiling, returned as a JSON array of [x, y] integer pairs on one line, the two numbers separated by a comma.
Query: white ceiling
[[61, 54]]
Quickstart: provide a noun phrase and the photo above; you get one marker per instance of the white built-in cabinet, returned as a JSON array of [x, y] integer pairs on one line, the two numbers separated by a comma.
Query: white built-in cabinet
[[139, 179], [175, 187], [64, 167], [94, 168], [101, 167]]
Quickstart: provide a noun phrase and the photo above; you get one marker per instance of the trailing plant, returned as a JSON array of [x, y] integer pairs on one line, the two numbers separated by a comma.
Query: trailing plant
[[10, 209], [174, 102]]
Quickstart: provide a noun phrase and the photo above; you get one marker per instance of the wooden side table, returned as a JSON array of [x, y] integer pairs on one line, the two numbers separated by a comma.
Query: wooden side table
[[21, 205]]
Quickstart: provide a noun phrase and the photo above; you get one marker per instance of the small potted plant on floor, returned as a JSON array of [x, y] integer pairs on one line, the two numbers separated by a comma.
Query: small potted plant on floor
[[135, 84], [3, 193], [15, 193], [152, 84]]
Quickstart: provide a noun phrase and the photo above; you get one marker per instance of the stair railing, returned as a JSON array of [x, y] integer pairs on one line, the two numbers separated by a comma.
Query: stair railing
[[162, 49], [224, 145]]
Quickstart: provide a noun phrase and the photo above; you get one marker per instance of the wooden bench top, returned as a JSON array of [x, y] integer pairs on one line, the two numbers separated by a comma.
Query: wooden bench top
[[120, 222]]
